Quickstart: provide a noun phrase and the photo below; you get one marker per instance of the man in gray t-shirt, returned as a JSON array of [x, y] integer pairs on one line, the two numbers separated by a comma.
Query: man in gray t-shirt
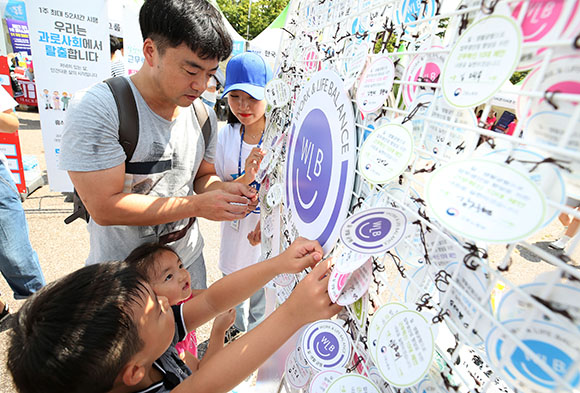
[[171, 177]]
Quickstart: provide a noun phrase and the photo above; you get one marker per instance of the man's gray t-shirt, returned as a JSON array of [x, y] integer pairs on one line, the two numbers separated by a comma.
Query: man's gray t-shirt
[[168, 154]]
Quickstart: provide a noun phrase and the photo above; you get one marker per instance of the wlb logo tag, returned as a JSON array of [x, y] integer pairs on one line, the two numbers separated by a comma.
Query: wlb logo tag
[[320, 164], [326, 345], [373, 231]]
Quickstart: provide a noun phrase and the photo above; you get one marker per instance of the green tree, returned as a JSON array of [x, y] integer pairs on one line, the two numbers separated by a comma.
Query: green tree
[[263, 13]]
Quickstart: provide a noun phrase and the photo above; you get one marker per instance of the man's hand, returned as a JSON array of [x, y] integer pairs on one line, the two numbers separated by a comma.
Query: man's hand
[[244, 190], [309, 301], [220, 205], [301, 254]]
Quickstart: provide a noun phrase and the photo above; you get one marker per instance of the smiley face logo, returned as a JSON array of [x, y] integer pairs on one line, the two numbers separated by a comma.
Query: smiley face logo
[[321, 159]]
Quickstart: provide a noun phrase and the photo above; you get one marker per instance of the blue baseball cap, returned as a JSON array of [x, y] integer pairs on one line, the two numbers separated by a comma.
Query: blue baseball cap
[[248, 72]]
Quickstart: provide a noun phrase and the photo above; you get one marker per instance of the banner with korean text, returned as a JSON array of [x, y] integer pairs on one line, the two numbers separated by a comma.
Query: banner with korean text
[[70, 45]]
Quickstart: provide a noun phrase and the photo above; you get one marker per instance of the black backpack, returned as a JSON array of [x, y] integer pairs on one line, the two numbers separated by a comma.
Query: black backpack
[[129, 131]]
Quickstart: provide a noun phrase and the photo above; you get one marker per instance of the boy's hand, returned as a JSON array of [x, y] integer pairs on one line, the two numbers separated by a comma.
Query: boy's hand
[[309, 301], [301, 254], [225, 320]]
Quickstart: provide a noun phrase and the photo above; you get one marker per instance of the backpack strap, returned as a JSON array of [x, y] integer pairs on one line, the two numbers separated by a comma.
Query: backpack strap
[[128, 133], [128, 115], [203, 119]]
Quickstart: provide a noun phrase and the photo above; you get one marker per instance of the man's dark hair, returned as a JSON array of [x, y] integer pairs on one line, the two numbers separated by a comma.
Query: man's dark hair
[[143, 257], [77, 333], [197, 23]]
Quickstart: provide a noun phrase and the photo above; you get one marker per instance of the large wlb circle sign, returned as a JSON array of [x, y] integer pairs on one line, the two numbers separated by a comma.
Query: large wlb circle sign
[[320, 164]]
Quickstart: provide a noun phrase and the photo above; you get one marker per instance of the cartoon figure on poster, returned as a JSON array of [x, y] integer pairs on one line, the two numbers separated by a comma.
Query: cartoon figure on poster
[[65, 99], [56, 100], [47, 99]]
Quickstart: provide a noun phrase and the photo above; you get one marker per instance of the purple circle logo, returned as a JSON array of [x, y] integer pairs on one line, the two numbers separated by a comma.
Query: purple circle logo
[[326, 346], [312, 169], [321, 159], [373, 229]]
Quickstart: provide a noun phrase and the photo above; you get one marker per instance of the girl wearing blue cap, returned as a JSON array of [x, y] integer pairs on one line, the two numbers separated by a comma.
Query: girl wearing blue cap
[[238, 158]]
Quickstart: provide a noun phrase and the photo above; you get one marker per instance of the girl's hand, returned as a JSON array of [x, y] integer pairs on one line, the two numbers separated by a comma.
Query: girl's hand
[[253, 163], [255, 237]]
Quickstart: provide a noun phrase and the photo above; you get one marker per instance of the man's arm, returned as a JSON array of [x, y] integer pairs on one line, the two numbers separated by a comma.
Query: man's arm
[[102, 193], [9, 121], [238, 286], [309, 302]]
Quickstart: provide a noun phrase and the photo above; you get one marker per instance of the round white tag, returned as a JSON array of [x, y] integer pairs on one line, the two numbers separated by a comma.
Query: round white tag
[[378, 321], [348, 261], [326, 345], [376, 84], [275, 195], [353, 61], [374, 231], [283, 293], [483, 58], [450, 142], [296, 375], [485, 200], [546, 176], [277, 93], [336, 283], [561, 297], [405, 349], [352, 383], [357, 285], [386, 153], [321, 381]]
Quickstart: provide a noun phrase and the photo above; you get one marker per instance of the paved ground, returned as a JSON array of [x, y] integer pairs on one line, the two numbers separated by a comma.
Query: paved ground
[[63, 248]]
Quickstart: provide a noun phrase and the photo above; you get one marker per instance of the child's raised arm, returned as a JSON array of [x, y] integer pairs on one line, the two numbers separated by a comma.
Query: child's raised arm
[[238, 286], [227, 368]]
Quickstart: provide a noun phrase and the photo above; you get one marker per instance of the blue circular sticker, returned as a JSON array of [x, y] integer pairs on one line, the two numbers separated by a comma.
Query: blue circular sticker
[[555, 347], [320, 164]]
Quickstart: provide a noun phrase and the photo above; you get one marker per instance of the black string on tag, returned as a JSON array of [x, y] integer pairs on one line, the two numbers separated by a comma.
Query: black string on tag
[[422, 236], [398, 264], [424, 302], [488, 8], [474, 253], [549, 96], [358, 361]]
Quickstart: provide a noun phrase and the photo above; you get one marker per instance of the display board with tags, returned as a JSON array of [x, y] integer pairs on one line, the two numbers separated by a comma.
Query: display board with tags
[[451, 238]]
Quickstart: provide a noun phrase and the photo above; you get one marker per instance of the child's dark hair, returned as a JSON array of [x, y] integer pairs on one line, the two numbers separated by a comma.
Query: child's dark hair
[[196, 23], [143, 257], [116, 43], [77, 333]]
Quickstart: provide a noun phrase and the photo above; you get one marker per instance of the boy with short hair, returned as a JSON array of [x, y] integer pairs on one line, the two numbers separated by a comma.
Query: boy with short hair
[[103, 329]]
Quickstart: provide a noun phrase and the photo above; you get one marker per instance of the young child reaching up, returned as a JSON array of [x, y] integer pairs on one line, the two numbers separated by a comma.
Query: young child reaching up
[[164, 271], [103, 328]]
